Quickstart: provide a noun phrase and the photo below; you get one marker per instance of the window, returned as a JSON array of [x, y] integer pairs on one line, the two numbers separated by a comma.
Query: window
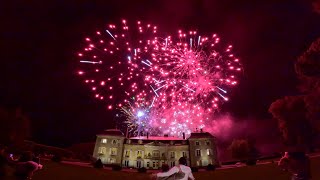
[[198, 152], [163, 155], [126, 163], [207, 143], [172, 163], [138, 164], [184, 154], [102, 150], [197, 143], [114, 141], [155, 153], [113, 151], [104, 141], [148, 164], [127, 154], [209, 152], [112, 160], [139, 154], [172, 154], [153, 164]]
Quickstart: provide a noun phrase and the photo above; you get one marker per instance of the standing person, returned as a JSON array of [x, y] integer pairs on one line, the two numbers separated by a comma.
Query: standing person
[[298, 164], [182, 171]]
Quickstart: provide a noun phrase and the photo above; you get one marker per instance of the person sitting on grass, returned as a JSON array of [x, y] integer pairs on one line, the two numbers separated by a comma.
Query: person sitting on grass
[[182, 171], [296, 163]]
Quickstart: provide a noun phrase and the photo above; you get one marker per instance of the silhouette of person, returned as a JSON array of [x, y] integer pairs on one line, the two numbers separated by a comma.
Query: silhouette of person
[[182, 171], [298, 164]]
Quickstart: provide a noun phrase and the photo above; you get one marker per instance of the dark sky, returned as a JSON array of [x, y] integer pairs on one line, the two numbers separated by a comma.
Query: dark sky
[[39, 40]]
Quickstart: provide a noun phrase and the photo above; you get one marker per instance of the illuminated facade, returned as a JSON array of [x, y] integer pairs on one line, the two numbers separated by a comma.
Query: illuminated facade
[[112, 147]]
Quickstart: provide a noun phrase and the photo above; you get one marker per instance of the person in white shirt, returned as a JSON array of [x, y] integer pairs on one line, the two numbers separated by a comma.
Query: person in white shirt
[[181, 171]]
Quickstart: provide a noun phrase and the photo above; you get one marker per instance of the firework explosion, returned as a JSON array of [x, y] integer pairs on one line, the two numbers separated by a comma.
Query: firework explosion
[[169, 85]]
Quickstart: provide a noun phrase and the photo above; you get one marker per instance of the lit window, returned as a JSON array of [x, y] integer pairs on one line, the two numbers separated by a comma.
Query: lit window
[[113, 151], [102, 150], [111, 160], [197, 143], [127, 154], [104, 141], [139, 154], [209, 152], [198, 152]]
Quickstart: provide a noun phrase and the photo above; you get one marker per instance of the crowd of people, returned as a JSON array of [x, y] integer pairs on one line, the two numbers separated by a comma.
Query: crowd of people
[[21, 168]]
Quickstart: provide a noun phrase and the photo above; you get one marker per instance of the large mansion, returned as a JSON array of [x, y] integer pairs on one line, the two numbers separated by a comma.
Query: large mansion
[[112, 147]]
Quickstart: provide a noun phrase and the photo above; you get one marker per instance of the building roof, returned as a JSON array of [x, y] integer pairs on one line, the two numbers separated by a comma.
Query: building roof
[[158, 138], [200, 135], [111, 132]]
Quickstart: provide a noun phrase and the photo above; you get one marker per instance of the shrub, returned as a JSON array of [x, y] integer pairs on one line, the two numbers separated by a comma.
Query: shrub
[[251, 162], [211, 167], [116, 168], [194, 169], [56, 158], [98, 164], [142, 170]]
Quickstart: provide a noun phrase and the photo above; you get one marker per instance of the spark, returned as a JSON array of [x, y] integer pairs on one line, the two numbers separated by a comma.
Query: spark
[[110, 34]]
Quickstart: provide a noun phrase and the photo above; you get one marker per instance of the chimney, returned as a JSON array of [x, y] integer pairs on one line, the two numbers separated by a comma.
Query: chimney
[[183, 135], [166, 135], [147, 135], [201, 130]]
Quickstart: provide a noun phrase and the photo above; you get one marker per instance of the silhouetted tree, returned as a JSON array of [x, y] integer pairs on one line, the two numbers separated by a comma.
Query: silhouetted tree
[[308, 70], [243, 149], [291, 113], [299, 116]]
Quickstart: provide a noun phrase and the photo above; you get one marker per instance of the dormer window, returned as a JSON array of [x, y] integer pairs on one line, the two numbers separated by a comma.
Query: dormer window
[[197, 143]]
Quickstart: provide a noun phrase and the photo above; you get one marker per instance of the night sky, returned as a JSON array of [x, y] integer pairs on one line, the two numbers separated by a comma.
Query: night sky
[[40, 39]]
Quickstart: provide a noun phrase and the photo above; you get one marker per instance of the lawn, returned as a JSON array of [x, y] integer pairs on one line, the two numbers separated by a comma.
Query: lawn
[[57, 171]]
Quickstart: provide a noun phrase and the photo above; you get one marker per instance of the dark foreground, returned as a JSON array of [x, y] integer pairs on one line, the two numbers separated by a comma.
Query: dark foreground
[[55, 171]]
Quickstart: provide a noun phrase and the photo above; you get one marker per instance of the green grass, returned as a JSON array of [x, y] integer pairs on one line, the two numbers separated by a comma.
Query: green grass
[[57, 171]]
